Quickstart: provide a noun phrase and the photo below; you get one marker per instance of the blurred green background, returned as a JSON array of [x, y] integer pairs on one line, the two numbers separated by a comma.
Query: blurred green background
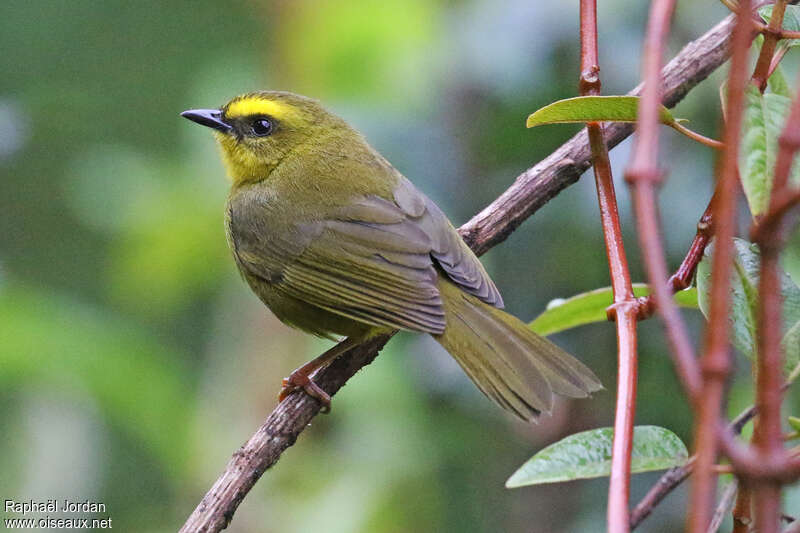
[[134, 361]]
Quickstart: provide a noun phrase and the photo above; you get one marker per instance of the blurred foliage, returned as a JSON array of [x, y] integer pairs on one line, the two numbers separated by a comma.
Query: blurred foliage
[[745, 299], [133, 359]]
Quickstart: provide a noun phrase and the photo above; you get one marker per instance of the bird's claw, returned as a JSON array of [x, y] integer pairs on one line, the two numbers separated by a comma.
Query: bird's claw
[[297, 381]]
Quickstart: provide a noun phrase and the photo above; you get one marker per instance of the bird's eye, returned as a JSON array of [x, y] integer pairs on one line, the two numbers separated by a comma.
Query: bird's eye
[[261, 127]]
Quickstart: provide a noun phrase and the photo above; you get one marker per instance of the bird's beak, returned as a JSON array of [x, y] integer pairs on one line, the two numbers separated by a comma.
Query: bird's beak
[[211, 118]]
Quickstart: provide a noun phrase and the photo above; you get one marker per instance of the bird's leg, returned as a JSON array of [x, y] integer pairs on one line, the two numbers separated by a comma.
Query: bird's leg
[[301, 378]]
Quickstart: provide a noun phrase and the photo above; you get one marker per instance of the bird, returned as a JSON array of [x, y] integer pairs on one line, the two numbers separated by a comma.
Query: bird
[[338, 243]]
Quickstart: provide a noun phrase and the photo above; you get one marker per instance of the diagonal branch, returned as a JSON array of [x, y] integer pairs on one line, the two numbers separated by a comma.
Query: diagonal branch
[[530, 191], [677, 475]]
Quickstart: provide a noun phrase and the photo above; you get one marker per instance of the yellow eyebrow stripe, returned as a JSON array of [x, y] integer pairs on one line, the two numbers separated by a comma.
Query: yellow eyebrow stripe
[[259, 106]]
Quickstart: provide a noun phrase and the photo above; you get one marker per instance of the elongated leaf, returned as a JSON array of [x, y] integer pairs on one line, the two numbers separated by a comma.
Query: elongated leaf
[[590, 307], [791, 22], [592, 109], [791, 347], [777, 83], [744, 302], [765, 115], [588, 455]]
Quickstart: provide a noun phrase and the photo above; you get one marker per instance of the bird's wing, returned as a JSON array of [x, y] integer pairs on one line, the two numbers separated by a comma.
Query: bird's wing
[[375, 260], [448, 249]]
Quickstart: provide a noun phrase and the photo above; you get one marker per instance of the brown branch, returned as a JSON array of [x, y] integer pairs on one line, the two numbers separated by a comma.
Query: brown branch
[[768, 439], [526, 195], [785, 201], [784, 467], [537, 185], [624, 309], [725, 502], [742, 512], [677, 475], [682, 278], [643, 174], [769, 466], [761, 71], [716, 357], [781, 468]]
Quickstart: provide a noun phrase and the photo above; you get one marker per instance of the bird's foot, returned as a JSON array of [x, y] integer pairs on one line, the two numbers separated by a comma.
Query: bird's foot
[[299, 380]]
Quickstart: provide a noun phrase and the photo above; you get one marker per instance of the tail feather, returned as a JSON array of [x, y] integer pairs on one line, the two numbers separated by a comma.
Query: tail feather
[[509, 363]]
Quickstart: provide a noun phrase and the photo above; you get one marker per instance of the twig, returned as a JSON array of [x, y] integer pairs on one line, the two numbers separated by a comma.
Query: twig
[[776, 60], [677, 475], [770, 466], [781, 468], [528, 193], [278, 432], [668, 482], [742, 511], [682, 278], [537, 185], [716, 358], [725, 502], [783, 203], [768, 439], [762, 68], [702, 139], [643, 174], [624, 308]]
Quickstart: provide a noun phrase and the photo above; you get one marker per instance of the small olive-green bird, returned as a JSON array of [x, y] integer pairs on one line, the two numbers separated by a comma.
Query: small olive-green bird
[[336, 242]]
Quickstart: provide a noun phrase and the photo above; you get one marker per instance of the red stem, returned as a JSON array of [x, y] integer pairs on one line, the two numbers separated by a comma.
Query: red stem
[[767, 497], [762, 69], [741, 514], [776, 60], [715, 362], [624, 309], [643, 174], [768, 440], [618, 516], [682, 278]]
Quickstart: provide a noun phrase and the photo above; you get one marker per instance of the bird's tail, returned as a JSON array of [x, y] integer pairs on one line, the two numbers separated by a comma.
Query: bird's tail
[[509, 363]]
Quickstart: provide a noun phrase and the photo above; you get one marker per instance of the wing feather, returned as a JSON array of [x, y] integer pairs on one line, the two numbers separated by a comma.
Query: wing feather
[[448, 249], [375, 261]]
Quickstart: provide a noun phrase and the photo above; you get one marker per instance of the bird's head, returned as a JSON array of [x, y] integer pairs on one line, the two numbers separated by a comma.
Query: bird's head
[[257, 131]]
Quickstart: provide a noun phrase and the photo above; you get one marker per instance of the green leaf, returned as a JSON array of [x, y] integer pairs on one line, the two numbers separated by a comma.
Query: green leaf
[[791, 256], [791, 22], [588, 455], [590, 307], [777, 83], [764, 118], [791, 347], [744, 302], [794, 423], [593, 109]]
